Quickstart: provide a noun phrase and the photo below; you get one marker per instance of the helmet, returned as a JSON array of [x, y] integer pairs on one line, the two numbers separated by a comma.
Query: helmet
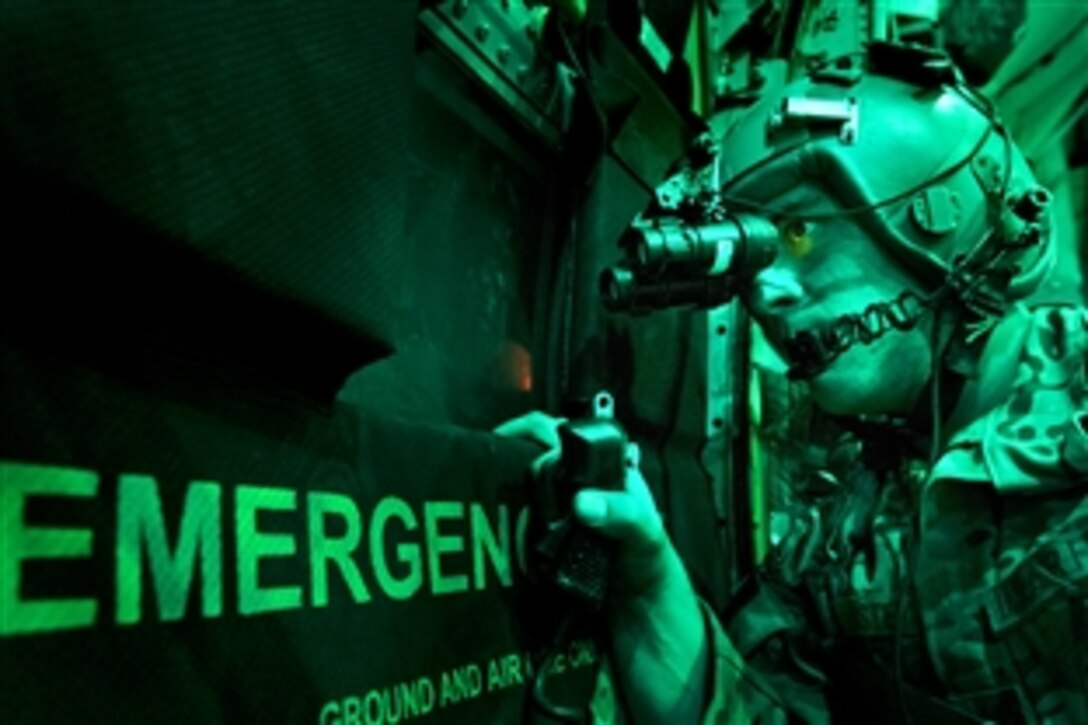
[[920, 161]]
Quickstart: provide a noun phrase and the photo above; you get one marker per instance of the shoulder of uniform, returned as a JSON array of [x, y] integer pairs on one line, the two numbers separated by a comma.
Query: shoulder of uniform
[[1037, 438]]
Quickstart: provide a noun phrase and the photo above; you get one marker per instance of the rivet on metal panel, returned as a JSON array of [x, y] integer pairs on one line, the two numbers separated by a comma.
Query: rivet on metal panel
[[538, 16], [503, 54], [483, 30], [460, 8]]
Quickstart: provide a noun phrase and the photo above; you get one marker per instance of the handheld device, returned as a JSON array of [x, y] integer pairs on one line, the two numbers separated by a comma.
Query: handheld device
[[593, 455]]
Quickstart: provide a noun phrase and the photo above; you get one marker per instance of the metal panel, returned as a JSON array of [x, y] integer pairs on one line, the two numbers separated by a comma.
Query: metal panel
[[478, 238], [497, 43]]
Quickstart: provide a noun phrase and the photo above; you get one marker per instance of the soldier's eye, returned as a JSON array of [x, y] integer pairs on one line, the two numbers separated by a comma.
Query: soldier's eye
[[797, 237]]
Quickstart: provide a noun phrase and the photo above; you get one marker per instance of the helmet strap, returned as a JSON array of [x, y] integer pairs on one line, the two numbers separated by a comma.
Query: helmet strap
[[954, 357], [811, 351]]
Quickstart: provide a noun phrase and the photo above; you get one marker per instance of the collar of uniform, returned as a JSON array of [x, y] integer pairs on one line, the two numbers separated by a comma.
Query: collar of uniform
[[997, 371], [1025, 414]]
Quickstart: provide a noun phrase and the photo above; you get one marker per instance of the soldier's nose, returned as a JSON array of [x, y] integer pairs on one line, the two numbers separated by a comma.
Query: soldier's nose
[[775, 289]]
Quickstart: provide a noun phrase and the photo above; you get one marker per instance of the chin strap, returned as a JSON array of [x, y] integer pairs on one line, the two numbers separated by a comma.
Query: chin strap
[[810, 352], [976, 282]]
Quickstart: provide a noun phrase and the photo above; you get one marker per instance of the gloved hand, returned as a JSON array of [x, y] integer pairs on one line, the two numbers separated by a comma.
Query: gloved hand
[[629, 516], [655, 622]]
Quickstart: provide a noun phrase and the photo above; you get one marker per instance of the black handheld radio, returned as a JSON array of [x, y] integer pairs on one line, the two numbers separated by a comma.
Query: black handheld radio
[[593, 454], [567, 555]]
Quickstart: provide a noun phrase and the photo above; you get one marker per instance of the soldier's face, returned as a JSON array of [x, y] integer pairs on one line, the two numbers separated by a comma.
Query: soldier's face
[[838, 270]]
